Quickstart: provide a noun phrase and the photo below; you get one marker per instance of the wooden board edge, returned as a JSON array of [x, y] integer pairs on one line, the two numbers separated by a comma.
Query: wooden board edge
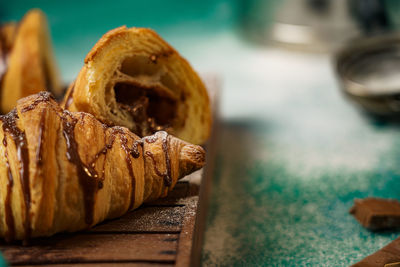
[[205, 186]]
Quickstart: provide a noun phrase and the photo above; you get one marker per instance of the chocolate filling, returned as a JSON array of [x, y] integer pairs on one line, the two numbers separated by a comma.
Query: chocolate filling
[[150, 111], [146, 93]]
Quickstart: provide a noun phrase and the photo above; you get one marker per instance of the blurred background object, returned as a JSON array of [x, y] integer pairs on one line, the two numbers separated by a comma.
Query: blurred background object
[[369, 72], [317, 25], [367, 66], [371, 15], [320, 25]]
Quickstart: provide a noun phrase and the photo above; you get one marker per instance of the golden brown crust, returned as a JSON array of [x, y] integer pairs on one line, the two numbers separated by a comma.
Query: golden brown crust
[[7, 34], [133, 78], [104, 41], [30, 64], [69, 180]]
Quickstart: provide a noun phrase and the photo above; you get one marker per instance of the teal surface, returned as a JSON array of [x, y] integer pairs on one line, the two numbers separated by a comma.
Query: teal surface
[[76, 25], [2, 262], [286, 208], [292, 152]]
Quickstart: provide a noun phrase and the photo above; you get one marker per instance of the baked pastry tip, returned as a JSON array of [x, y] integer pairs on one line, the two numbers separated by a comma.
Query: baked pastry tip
[[27, 63]]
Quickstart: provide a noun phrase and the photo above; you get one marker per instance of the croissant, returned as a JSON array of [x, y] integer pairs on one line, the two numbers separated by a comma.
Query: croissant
[[66, 171], [27, 64], [133, 78]]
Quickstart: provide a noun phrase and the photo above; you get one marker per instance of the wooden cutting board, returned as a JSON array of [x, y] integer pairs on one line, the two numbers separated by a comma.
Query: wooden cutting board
[[159, 233]]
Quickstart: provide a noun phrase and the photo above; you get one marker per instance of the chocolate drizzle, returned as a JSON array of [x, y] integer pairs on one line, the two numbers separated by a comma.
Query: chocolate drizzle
[[165, 146], [134, 152], [9, 217], [102, 151], [88, 176], [39, 159], [42, 96], [19, 138], [92, 165], [150, 139]]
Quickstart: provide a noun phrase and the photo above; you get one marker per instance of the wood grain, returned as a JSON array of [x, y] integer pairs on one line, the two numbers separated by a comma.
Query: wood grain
[[186, 236], [95, 248], [157, 234], [114, 264]]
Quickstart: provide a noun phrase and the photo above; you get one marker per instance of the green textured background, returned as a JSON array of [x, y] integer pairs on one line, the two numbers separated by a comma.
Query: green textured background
[[292, 152]]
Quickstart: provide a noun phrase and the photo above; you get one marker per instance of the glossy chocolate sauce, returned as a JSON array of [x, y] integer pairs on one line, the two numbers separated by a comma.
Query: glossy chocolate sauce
[[88, 176], [92, 165], [39, 159], [165, 146], [150, 139], [103, 151], [9, 217], [134, 151], [128, 153], [19, 138]]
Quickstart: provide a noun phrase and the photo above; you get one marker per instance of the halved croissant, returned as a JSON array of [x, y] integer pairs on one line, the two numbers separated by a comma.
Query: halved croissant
[[133, 78], [66, 171], [28, 62]]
